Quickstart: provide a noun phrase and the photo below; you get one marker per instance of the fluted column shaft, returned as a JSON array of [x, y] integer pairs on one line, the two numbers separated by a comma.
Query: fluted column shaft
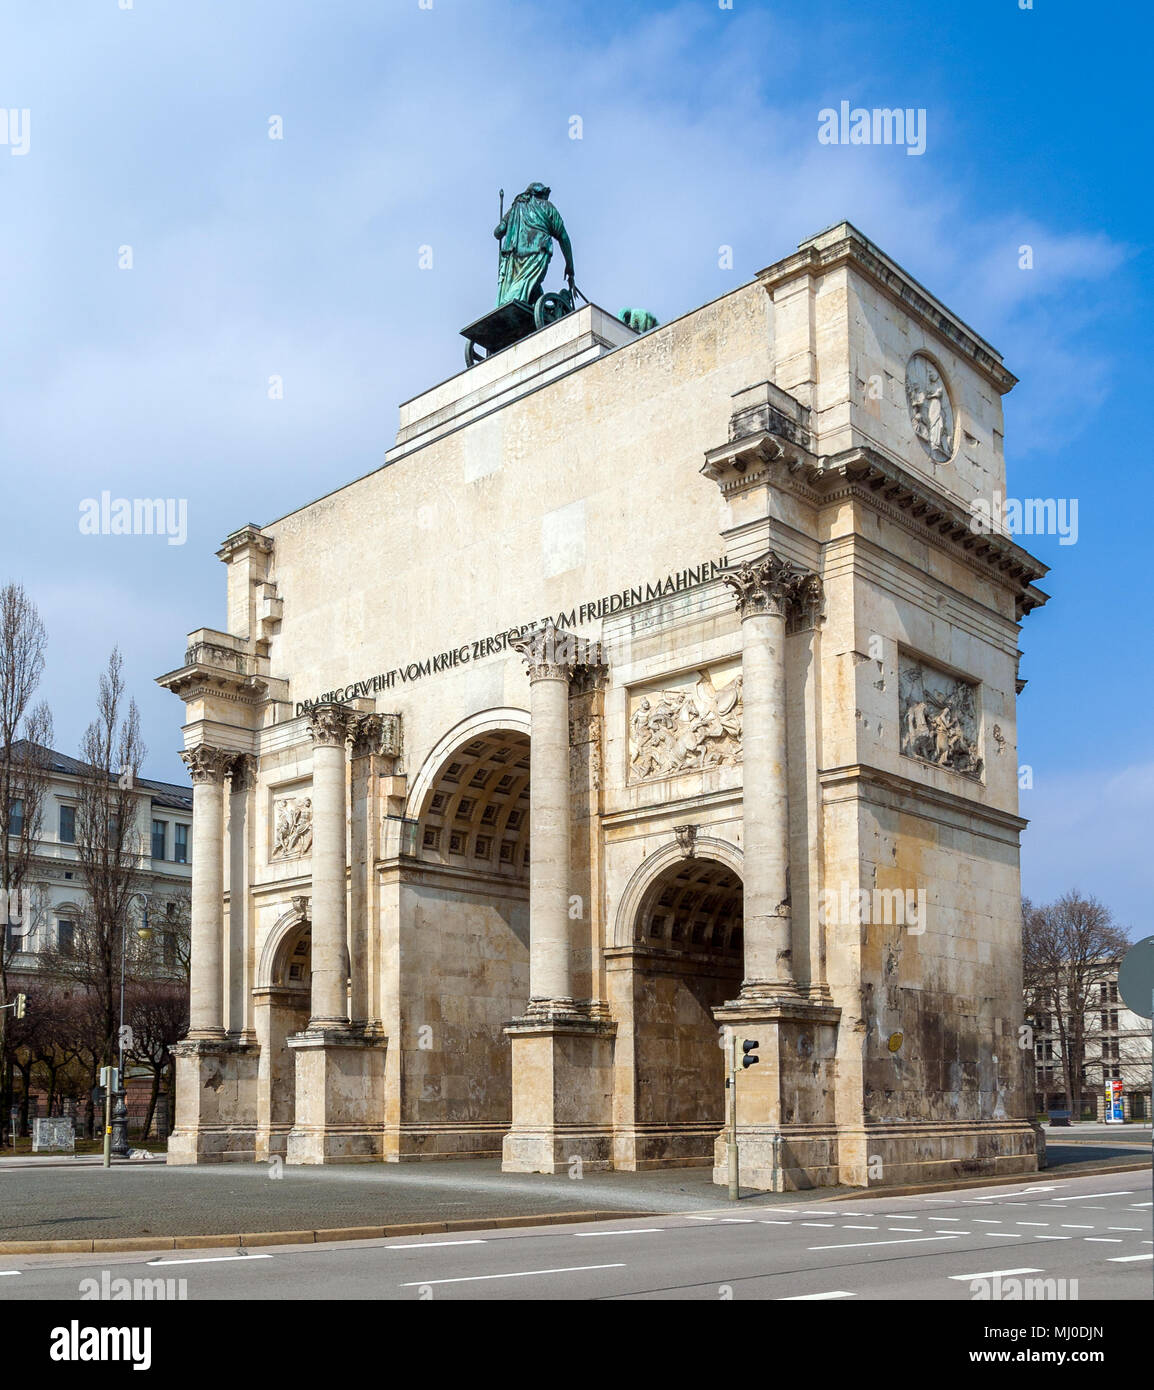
[[768, 590], [550, 966], [207, 768], [328, 725]]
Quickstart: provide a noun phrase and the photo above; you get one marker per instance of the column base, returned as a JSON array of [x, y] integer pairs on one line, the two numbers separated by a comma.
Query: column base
[[787, 1133], [562, 1091], [340, 1097], [793, 1159], [216, 1096]]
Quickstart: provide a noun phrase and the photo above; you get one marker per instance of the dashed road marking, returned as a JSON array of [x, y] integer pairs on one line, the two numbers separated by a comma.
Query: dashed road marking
[[518, 1274], [994, 1274], [209, 1260], [801, 1297]]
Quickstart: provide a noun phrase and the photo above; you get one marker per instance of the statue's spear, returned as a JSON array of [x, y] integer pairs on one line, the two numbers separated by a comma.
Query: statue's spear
[[500, 219]]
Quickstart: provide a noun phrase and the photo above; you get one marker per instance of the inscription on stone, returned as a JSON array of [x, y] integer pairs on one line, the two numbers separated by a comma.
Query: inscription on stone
[[57, 1133], [939, 718]]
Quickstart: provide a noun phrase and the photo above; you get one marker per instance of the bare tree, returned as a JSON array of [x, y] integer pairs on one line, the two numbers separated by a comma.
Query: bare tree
[[158, 1014], [25, 736], [109, 843], [1069, 947]]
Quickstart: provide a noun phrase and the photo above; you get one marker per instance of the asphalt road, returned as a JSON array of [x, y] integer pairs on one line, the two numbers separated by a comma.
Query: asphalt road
[[1096, 1230]]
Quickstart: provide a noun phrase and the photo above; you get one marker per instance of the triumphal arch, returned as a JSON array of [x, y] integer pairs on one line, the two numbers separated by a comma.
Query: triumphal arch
[[658, 687]]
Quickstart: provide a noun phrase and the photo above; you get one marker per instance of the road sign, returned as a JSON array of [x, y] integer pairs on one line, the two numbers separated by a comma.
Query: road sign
[[1136, 978]]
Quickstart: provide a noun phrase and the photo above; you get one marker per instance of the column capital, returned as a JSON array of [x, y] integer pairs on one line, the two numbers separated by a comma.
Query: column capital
[[329, 724], [206, 764], [242, 772], [773, 585], [551, 653]]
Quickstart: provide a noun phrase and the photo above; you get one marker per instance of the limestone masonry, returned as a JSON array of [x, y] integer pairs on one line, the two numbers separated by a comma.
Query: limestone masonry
[[657, 688]]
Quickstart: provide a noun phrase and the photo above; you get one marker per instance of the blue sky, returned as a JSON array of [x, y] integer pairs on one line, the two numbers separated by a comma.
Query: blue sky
[[299, 258]]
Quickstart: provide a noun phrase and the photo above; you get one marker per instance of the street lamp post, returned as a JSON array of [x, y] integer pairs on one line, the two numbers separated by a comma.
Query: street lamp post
[[120, 1112]]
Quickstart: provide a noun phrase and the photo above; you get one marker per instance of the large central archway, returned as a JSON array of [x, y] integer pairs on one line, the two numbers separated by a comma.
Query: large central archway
[[464, 942]]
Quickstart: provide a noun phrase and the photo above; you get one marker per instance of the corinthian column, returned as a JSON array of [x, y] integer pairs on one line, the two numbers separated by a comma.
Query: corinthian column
[[550, 657], [329, 727], [767, 591], [207, 768]]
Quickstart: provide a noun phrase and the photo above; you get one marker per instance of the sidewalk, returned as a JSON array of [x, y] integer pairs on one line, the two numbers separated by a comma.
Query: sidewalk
[[74, 1199]]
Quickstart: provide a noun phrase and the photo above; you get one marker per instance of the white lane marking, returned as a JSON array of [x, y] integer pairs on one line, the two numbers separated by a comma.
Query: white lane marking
[[828, 1224], [209, 1260], [4, 1273], [1105, 1240], [701, 1218], [1055, 1237], [946, 1200], [433, 1244], [1073, 1226], [1123, 1228], [1031, 1223], [1125, 1259], [945, 1218], [738, 1220], [1004, 1235], [766, 1222], [1142, 1204], [1089, 1197], [640, 1231], [861, 1244], [848, 1227], [800, 1297], [994, 1274], [992, 1221], [519, 1274]]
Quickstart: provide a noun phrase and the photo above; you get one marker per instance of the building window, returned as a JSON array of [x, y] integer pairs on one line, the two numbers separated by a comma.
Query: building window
[[13, 936], [16, 816], [169, 947], [159, 838], [67, 825], [65, 937], [180, 843]]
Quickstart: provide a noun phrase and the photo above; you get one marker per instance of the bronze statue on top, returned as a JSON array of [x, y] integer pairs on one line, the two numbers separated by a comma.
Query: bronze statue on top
[[526, 233]]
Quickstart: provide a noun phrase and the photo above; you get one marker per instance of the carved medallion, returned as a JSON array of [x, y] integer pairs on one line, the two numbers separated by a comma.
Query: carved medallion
[[939, 718], [685, 730], [931, 411], [292, 827]]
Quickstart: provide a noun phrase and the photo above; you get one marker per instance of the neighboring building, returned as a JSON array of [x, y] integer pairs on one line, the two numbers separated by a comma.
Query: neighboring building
[[658, 687], [56, 900], [1118, 1048]]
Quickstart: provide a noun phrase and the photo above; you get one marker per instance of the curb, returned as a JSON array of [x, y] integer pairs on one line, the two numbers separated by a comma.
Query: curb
[[866, 1194], [100, 1245]]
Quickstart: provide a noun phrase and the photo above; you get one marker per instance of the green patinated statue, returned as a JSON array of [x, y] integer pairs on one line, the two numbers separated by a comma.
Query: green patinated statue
[[526, 233]]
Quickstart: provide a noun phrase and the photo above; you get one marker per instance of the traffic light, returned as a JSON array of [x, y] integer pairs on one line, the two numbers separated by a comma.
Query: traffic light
[[21, 1005], [749, 1048]]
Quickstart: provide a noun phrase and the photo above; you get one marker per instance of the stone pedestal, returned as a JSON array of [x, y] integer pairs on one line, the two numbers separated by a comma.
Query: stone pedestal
[[340, 1097], [562, 1094], [216, 1085], [786, 1125]]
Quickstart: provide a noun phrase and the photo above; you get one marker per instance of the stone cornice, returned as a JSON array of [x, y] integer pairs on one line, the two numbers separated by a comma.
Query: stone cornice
[[866, 474], [923, 792], [239, 541], [828, 251]]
